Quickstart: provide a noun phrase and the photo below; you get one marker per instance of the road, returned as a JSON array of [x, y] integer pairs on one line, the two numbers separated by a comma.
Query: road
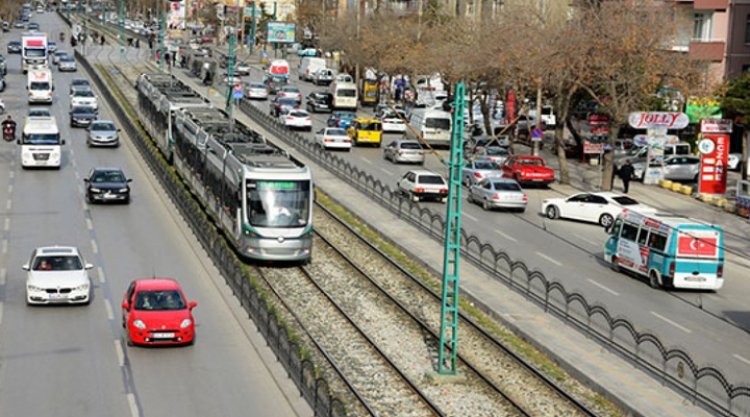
[[70, 361], [571, 252]]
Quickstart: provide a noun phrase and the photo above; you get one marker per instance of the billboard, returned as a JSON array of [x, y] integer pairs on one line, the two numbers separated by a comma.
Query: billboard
[[281, 32], [176, 15], [702, 108]]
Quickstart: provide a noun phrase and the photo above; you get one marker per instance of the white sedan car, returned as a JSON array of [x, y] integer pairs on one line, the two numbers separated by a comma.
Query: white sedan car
[[295, 118], [83, 98], [602, 208], [257, 91], [393, 124], [57, 275], [333, 138]]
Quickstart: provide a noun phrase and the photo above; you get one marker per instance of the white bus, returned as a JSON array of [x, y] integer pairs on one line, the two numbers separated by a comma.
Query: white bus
[[41, 145]]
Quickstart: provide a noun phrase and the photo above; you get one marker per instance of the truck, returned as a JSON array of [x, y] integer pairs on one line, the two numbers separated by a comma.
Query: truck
[[34, 54]]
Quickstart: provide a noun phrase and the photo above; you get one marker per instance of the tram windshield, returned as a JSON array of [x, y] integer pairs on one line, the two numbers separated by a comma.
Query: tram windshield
[[278, 203]]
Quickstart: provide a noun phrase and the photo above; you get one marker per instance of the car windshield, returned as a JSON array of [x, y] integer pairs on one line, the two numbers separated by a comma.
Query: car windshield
[[492, 150], [159, 300], [39, 112], [36, 85], [83, 93], [430, 179], [67, 58], [103, 126], [290, 90], [337, 132], [78, 83], [438, 123], [625, 201], [256, 85], [530, 162], [410, 145], [100, 177], [61, 53], [299, 114], [346, 92], [41, 139], [287, 102], [35, 53], [57, 263], [373, 126], [278, 203], [83, 110], [506, 186], [345, 115], [484, 165]]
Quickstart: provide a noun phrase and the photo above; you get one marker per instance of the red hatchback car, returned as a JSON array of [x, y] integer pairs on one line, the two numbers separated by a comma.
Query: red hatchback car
[[155, 312], [527, 169]]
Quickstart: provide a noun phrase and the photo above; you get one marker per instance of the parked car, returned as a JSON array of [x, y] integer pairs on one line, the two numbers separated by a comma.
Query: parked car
[[492, 193], [423, 185], [333, 138], [479, 169], [341, 119], [156, 312], [67, 63], [406, 151], [290, 91], [295, 118], [602, 208], [676, 168], [107, 185], [82, 116], [103, 133], [57, 275], [323, 76], [319, 101], [256, 91], [279, 102], [527, 169], [14, 47]]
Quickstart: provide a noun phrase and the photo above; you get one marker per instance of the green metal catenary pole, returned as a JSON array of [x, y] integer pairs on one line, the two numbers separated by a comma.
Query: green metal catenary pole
[[448, 352]]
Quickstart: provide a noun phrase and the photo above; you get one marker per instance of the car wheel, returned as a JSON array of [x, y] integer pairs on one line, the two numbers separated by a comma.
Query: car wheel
[[606, 220], [653, 280], [485, 205], [552, 212]]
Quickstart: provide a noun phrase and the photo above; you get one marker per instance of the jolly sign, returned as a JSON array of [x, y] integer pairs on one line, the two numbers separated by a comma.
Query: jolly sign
[[657, 119]]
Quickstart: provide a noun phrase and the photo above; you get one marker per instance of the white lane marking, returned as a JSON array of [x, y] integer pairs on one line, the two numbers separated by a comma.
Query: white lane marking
[[604, 287], [507, 236], [589, 241], [683, 328], [8, 204], [3, 276], [78, 176], [100, 272], [133, 405], [470, 217], [365, 160], [741, 359], [72, 152], [83, 205], [6, 225], [94, 246], [110, 313], [552, 260], [80, 189], [89, 225], [120, 353], [10, 189], [5, 246], [12, 174]]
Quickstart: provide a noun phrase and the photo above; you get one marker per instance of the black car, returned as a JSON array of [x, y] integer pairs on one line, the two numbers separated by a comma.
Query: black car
[[33, 26], [105, 185], [280, 102], [14, 47], [82, 116], [319, 101]]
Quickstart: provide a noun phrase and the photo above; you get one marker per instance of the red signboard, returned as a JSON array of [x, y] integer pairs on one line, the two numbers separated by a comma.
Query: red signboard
[[511, 105], [35, 43], [598, 120], [592, 148], [696, 246], [714, 149]]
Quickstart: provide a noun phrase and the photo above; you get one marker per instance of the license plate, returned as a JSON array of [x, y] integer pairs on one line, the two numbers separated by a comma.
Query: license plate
[[162, 335], [695, 279], [323, 106], [109, 196], [55, 296]]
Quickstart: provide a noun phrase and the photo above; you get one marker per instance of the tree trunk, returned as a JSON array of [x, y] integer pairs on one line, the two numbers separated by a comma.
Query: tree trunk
[[609, 159], [562, 159]]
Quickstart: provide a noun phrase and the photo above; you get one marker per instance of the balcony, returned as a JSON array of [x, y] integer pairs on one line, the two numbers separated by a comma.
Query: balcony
[[706, 50], [710, 4]]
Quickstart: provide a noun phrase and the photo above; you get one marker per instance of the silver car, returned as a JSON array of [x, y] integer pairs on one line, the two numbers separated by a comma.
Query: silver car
[[67, 63], [676, 168], [407, 151], [57, 55], [493, 193], [103, 133], [478, 169]]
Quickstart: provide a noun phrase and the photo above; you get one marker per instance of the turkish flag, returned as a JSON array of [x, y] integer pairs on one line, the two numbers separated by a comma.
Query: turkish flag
[[697, 246]]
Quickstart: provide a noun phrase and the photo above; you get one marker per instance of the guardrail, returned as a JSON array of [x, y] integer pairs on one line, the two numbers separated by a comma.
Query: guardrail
[[300, 369], [704, 384]]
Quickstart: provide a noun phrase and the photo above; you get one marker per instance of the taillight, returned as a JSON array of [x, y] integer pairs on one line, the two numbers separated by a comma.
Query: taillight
[[497, 196], [720, 271], [671, 269], [327, 140], [419, 190], [478, 175], [443, 191], [525, 198], [290, 118]]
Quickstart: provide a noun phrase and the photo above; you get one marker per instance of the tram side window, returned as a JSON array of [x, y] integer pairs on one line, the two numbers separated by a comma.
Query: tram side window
[[629, 232], [643, 236], [657, 241]]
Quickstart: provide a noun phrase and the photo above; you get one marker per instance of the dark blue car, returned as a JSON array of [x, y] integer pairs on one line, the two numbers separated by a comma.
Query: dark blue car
[[341, 119]]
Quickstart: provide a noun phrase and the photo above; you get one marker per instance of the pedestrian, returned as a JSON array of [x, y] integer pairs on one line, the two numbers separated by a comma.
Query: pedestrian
[[137, 43], [626, 174], [101, 41]]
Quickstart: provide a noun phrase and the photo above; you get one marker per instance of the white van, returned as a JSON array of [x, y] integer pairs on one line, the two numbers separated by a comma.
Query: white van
[[39, 85], [434, 125], [344, 96], [41, 143], [309, 66]]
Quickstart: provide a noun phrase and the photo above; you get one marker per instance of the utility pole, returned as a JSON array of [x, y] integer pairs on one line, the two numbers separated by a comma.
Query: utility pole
[[230, 77], [160, 48], [538, 118], [360, 17], [448, 352], [121, 28]]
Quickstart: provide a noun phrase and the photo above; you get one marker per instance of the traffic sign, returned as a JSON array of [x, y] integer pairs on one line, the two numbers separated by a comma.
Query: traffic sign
[[536, 134]]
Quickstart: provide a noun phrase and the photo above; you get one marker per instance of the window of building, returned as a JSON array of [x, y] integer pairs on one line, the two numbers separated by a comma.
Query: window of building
[[702, 26]]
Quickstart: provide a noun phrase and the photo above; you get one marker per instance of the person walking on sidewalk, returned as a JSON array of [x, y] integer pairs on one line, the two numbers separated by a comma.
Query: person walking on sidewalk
[[626, 174]]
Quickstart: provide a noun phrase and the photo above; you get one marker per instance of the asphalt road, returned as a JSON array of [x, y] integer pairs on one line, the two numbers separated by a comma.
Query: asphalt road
[[70, 361], [571, 252]]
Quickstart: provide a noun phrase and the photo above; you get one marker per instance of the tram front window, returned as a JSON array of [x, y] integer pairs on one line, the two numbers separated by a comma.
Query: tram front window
[[278, 203]]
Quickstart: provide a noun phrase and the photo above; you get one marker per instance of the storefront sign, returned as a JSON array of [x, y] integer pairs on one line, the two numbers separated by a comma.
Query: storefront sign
[[714, 149], [648, 120], [716, 126]]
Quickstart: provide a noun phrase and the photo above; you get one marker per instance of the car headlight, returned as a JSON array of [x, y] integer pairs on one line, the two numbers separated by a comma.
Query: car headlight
[[82, 287], [34, 288], [139, 324], [186, 323], [95, 190], [123, 190]]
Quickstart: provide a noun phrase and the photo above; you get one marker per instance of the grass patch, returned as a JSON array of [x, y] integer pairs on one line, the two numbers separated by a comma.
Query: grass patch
[[515, 343]]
